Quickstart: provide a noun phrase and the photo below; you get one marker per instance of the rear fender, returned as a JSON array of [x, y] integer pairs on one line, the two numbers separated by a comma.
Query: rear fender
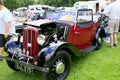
[[50, 51], [100, 32]]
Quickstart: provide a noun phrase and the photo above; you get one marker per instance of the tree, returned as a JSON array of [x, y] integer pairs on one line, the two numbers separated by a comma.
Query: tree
[[28, 2], [14, 4]]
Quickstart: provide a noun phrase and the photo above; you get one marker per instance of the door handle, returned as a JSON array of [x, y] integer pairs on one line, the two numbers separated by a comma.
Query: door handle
[[77, 32]]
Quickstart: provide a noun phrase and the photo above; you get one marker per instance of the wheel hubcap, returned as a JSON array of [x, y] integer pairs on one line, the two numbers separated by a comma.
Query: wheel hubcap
[[60, 68]]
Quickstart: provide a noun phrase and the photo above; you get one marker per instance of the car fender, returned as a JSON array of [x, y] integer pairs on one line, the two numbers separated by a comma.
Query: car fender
[[100, 32], [13, 47], [50, 51]]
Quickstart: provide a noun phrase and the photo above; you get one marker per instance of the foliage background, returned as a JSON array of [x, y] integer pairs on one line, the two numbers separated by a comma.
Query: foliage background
[[14, 4]]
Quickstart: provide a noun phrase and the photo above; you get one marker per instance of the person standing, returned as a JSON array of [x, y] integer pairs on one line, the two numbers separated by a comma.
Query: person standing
[[113, 12], [6, 27]]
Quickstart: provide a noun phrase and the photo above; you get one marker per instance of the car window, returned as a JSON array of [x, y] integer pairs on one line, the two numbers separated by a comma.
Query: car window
[[31, 9], [84, 16], [38, 8]]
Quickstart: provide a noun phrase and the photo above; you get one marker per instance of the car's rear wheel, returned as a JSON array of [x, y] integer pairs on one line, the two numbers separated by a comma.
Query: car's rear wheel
[[99, 42], [59, 66]]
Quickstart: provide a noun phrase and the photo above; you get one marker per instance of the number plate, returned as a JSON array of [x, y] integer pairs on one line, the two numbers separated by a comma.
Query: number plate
[[23, 67]]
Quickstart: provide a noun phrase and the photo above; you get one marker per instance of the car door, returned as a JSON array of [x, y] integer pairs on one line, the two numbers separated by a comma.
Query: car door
[[84, 29]]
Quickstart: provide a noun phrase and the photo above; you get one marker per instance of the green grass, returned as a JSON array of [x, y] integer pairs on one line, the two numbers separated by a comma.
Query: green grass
[[103, 64]]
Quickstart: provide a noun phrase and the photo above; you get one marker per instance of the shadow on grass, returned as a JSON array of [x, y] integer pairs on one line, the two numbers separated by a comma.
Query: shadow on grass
[[81, 59], [20, 75]]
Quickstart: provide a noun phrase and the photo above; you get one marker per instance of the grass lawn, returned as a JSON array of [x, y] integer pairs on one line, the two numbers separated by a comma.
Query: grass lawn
[[103, 64]]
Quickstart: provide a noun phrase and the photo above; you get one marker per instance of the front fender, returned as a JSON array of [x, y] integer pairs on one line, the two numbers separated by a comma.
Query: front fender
[[13, 47], [52, 49]]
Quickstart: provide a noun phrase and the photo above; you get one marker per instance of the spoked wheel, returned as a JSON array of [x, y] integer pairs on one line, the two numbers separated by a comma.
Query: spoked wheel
[[59, 67]]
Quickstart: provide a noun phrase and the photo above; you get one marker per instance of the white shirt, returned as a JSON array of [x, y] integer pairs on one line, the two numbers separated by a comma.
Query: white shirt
[[113, 10], [6, 16]]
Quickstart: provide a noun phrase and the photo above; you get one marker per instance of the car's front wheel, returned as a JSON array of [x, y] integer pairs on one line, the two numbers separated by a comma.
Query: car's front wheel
[[11, 64], [59, 66]]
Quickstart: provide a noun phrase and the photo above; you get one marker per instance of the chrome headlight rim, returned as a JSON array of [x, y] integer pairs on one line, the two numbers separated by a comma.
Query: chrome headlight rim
[[41, 39], [15, 37]]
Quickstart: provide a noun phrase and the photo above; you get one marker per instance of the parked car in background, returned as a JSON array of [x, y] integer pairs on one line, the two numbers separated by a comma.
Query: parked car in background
[[35, 11], [48, 46], [20, 11]]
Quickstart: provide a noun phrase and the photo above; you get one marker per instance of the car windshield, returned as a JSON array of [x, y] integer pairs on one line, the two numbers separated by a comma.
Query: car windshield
[[71, 15], [84, 15]]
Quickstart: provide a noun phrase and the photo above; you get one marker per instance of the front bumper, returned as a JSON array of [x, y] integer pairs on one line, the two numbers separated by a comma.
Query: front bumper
[[27, 65]]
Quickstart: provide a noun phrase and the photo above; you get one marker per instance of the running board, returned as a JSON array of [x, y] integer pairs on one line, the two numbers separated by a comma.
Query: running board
[[86, 50]]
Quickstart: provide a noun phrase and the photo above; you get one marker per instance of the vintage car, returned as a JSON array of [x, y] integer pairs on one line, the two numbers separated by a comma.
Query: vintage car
[[48, 46]]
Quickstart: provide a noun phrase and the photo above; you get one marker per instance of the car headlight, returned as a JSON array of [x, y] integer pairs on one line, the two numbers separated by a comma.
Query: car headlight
[[15, 37], [41, 39]]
